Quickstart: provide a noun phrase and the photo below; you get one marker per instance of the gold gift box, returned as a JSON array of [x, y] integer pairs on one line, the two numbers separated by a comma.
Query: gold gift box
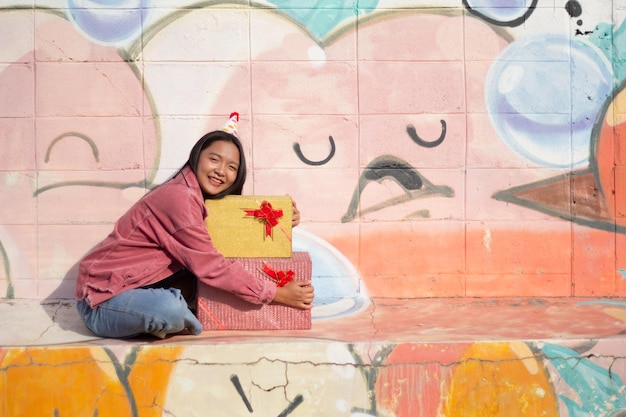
[[241, 226]]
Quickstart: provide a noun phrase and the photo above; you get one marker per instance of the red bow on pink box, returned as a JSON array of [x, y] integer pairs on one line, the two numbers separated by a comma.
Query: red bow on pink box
[[280, 277]]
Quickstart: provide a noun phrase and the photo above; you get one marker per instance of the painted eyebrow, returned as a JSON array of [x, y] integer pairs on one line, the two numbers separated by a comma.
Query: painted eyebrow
[[90, 142]]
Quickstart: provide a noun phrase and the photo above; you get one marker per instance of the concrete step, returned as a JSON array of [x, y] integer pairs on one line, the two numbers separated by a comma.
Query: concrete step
[[418, 357]]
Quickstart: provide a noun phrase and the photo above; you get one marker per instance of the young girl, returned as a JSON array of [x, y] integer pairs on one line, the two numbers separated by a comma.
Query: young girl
[[130, 284]]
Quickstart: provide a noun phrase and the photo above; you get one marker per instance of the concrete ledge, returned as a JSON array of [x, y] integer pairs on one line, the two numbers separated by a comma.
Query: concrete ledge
[[420, 357], [56, 322]]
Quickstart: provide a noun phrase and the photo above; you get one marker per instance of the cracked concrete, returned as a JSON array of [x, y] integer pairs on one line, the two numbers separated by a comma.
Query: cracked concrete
[[397, 358]]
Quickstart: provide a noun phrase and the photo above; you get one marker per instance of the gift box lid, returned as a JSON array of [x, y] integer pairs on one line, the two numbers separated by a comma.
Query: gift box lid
[[251, 226]]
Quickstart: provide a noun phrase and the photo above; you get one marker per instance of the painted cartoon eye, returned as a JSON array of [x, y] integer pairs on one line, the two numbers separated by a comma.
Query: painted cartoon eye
[[410, 129], [298, 151]]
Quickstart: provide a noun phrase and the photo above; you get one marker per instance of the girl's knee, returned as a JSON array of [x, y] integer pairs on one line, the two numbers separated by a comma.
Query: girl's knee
[[170, 315]]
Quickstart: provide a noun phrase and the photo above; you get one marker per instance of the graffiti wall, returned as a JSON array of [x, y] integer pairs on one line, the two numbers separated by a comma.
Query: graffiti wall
[[435, 148], [337, 379]]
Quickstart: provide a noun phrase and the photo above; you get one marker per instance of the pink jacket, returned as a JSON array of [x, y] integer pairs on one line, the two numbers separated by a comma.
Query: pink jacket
[[160, 234]]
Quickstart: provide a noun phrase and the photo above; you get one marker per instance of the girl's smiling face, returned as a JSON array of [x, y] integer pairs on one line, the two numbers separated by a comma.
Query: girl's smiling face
[[217, 167]]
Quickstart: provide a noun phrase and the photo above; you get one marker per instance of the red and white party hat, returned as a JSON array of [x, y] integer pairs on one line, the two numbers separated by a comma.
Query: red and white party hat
[[231, 125]]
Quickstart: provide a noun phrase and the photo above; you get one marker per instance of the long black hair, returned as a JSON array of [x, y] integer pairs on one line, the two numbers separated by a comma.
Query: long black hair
[[204, 142]]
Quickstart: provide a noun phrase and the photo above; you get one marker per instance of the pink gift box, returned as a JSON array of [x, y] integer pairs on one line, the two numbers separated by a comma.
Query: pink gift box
[[221, 310]]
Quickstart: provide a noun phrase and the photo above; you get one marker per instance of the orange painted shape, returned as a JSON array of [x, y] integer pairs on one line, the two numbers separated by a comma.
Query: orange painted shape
[[150, 377], [84, 382], [610, 157], [593, 263], [500, 379], [63, 382], [523, 248]]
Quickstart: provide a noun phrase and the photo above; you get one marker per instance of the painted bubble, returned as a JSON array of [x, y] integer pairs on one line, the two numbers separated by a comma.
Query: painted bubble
[[538, 110], [346, 295], [108, 21], [504, 12]]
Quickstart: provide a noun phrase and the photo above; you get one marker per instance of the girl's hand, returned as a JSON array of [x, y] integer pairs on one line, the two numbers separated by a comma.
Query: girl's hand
[[296, 215], [297, 294]]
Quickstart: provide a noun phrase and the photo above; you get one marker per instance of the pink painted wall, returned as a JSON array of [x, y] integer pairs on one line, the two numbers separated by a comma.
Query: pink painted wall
[[444, 150]]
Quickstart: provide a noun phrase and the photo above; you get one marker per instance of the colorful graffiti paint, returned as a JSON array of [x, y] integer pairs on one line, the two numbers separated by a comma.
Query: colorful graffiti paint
[[445, 379], [435, 148], [423, 129], [417, 130]]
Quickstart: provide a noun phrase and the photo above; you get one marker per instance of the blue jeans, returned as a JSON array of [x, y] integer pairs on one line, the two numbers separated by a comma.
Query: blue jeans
[[155, 311]]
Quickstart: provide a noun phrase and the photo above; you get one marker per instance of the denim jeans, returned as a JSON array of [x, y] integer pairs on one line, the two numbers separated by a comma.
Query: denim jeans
[[155, 311]]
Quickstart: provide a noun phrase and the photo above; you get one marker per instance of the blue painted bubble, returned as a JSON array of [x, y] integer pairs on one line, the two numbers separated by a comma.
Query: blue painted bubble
[[544, 94], [109, 21], [338, 288], [501, 11]]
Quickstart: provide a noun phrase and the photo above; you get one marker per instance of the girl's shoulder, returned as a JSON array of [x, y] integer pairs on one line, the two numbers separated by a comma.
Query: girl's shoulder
[[176, 206], [174, 192], [176, 195]]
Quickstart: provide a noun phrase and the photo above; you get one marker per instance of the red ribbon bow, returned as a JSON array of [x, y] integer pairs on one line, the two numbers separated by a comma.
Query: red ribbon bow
[[267, 215], [280, 277]]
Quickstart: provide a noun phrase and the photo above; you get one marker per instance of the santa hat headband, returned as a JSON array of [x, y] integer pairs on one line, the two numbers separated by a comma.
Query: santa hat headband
[[231, 125]]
